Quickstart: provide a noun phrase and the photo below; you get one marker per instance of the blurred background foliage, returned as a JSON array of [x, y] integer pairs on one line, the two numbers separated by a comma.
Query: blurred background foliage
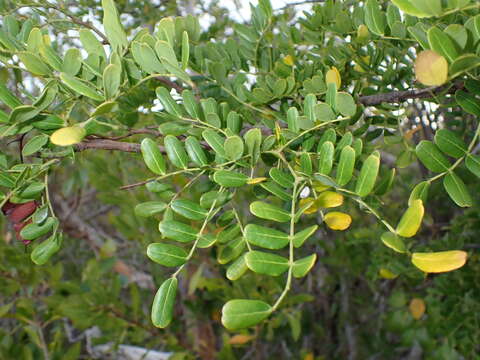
[[99, 288]]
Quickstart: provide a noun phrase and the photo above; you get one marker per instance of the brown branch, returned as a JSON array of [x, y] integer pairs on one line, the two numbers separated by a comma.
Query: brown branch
[[399, 96]]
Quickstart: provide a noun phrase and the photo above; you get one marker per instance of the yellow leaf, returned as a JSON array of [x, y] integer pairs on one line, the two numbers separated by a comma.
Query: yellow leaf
[[336, 220], [333, 76], [313, 207], [431, 69], [437, 262], [329, 199], [417, 308], [319, 187], [411, 219], [362, 32], [387, 274], [288, 60], [68, 136], [240, 339], [257, 180], [309, 356]]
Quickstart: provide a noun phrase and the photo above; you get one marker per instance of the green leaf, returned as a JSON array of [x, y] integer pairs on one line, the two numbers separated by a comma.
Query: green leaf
[[450, 143], [457, 190], [308, 107], [429, 7], [166, 254], [33, 231], [34, 144], [111, 80], [269, 212], [266, 263], [163, 49], [292, 119], [168, 102], [420, 191], [253, 140], [177, 231], [23, 113], [345, 104], [189, 209], [276, 190], [431, 157], [146, 58], [113, 27], [301, 267], [152, 156], [239, 314], [163, 303], [185, 50], [91, 44], [228, 178], [374, 17], [325, 161], [8, 98], [215, 141], [237, 269], [324, 112], [34, 64], [176, 152], [32, 191], [468, 102], [149, 208], [306, 166], [281, 178], [207, 199], [394, 242], [191, 104], [72, 62], [368, 175], [300, 237], [265, 237], [411, 219], [80, 87], [44, 251], [233, 147], [409, 8], [472, 162], [346, 165], [464, 63], [195, 151], [442, 44], [231, 250]]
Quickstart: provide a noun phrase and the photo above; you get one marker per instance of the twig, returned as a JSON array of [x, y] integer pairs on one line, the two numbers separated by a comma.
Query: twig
[[399, 96]]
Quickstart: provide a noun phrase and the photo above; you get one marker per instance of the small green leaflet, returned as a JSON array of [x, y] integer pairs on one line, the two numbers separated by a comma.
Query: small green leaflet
[[178, 231], [176, 152], [265, 237], [44, 251], [111, 80], [189, 209], [325, 161], [215, 141], [233, 147], [368, 175], [152, 156], [113, 27], [266, 263], [346, 165], [301, 267], [374, 17], [269, 212], [195, 151], [300, 237], [431, 157], [149, 208], [80, 87], [239, 314], [163, 303], [229, 178], [394, 242], [34, 144], [237, 269], [457, 190], [166, 254]]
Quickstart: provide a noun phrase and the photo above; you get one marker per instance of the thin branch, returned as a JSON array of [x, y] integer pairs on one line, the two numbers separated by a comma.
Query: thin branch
[[399, 96]]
